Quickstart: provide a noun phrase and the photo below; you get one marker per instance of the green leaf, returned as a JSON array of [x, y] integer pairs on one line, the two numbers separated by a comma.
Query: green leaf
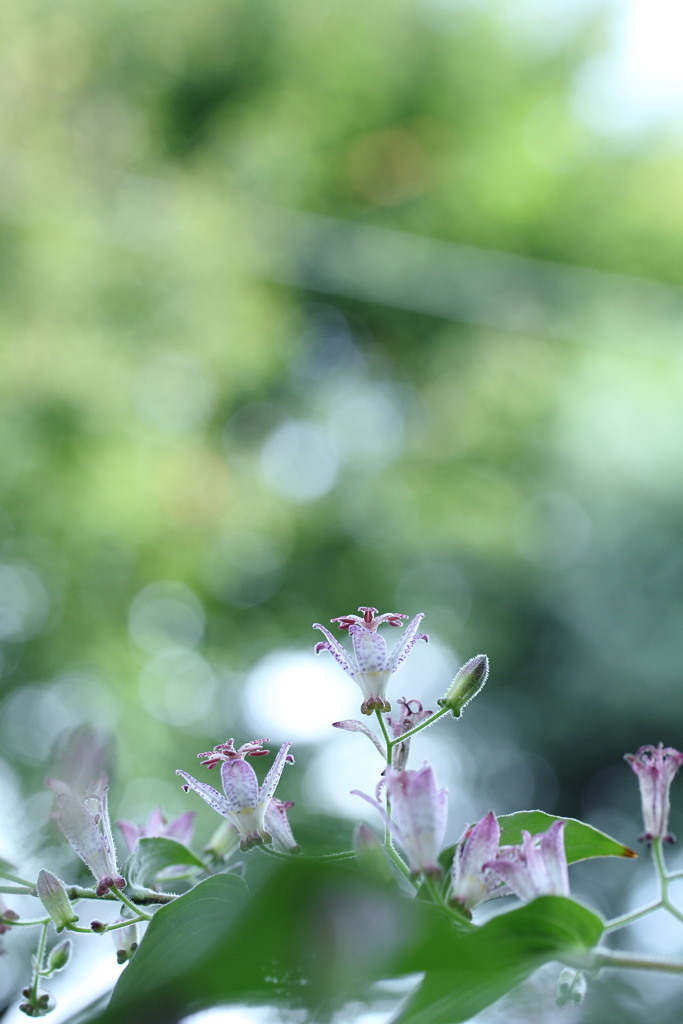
[[152, 855], [481, 966], [180, 934], [581, 841]]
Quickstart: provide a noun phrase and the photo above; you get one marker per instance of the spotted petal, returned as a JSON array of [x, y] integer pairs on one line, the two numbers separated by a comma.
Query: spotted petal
[[340, 655], [406, 642], [273, 777], [211, 796]]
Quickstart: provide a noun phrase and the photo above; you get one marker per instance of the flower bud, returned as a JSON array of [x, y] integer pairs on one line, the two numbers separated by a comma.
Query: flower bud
[[126, 942], [223, 842], [466, 685], [59, 956], [370, 854], [98, 927], [55, 900]]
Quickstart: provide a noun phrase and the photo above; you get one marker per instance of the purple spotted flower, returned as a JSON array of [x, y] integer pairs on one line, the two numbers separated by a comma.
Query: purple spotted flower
[[245, 803], [85, 823], [180, 829], [471, 882], [655, 768], [419, 812], [536, 868], [277, 825], [370, 665]]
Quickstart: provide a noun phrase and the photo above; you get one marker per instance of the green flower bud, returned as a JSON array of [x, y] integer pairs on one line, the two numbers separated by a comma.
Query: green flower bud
[[466, 685], [223, 842], [55, 900], [59, 956]]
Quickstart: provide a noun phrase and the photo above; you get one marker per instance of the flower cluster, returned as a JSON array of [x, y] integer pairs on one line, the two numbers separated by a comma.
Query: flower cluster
[[494, 857]]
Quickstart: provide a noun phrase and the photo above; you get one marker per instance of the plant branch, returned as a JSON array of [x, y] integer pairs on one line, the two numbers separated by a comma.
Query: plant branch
[[423, 725], [634, 915], [131, 906]]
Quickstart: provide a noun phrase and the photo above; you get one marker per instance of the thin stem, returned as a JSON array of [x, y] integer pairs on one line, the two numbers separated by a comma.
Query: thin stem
[[24, 924], [131, 906], [76, 892], [622, 958], [675, 876], [634, 915], [77, 928], [15, 890], [345, 855], [17, 878], [389, 742], [126, 924], [423, 725], [40, 956], [660, 867], [401, 865]]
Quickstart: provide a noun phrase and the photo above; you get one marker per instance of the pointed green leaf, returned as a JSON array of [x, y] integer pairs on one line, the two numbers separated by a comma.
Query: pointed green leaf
[[581, 841], [153, 855], [482, 965]]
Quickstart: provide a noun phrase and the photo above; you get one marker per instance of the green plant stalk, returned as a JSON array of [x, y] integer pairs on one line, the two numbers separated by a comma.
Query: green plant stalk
[[26, 924], [660, 867], [38, 969], [634, 915], [131, 906]]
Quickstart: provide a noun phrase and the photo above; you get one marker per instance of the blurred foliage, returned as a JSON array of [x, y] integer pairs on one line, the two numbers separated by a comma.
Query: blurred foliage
[[523, 492]]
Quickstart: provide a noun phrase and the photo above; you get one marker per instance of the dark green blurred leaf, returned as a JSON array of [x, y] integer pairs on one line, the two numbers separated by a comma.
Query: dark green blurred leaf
[[487, 963], [152, 855], [313, 935], [581, 841]]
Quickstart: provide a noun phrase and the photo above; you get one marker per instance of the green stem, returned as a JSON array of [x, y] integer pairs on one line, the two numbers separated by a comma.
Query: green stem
[[635, 915], [18, 879], [401, 865], [40, 956], [131, 906], [345, 855], [423, 725], [76, 892], [660, 867], [622, 958], [15, 890], [25, 924], [389, 742]]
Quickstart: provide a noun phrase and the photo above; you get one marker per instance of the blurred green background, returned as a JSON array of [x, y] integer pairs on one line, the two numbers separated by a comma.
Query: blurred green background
[[208, 442]]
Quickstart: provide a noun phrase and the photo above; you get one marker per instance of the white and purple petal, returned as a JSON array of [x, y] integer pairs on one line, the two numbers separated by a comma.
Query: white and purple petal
[[352, 725], [211, 796], [406, 643], [339, 653]]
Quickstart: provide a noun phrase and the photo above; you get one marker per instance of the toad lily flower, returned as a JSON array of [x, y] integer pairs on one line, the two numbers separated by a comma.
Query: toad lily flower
[[471, 883], [180, 828], [370, 666], [419, 813], [655, 768], [85, 823], [277, 825], [245, 802], [536, 868]]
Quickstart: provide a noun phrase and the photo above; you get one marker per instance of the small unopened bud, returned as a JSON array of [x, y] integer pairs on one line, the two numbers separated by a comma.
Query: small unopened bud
[[571, 987], [59, 956], [98, 927], [370, 853], [7, 916], [126, 942], [55, 900], [466, 685], [223, 842]]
